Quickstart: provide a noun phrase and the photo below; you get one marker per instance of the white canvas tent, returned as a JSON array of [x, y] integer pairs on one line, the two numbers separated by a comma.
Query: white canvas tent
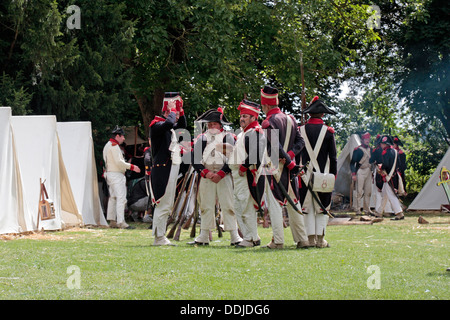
[[432, 196], [344, 180], [77, 149], [39, 157], [11, 199]]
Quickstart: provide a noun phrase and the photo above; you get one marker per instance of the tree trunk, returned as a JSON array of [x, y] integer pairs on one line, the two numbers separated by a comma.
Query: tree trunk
[[150, 107]]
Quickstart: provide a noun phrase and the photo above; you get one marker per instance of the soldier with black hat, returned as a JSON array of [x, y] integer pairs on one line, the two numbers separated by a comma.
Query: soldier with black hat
[[316, 132], [166, 160], [376, 159], [288, 144], [388, 170], [402, 159], [116, 167], [246, 161], [210, 161], [362, 174]]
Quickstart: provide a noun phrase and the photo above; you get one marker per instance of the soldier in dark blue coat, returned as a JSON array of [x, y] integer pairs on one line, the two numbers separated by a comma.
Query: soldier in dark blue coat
[[315, 219], [166, 160], [288, 143], [402, 159]]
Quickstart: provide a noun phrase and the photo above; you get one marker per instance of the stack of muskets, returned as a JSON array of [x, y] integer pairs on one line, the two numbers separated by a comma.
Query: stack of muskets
[[180, 221]]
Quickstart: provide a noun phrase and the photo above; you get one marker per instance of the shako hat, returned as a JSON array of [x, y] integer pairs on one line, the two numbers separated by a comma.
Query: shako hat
[[318, 106], [249, 107], [269, 96], [174, 99]]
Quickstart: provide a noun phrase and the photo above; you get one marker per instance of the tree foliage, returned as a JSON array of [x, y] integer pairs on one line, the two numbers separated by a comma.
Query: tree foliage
[[127, 53]]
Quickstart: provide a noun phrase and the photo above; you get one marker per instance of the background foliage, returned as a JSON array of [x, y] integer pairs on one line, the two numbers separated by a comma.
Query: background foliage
[[127, 53]]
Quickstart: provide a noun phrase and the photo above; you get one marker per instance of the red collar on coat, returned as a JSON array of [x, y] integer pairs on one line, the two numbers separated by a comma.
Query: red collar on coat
[[386, 149], [254, 124], [114, 142], [315, 121], [273, 111], [157, 119]]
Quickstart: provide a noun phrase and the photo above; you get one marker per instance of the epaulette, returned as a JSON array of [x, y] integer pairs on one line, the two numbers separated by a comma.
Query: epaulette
[[330, 129], [356, 148], [114, 144], [265, 124]]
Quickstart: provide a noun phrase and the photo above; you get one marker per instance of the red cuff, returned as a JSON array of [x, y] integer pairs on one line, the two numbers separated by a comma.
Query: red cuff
[[221, 173], [242, 168], [353, 173], [204, 173], [291, 154], [132, 167], [181, 112], [291, 165], [173, 110]]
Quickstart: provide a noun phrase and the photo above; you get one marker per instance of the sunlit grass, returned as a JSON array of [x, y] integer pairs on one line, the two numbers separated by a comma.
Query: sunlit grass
[[122, 264]]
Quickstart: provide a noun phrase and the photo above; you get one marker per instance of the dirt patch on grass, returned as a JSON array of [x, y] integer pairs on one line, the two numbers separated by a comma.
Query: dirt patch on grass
[[70, 233]]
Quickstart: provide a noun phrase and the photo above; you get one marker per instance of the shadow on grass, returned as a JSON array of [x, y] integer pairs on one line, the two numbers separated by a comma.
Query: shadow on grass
[[439, 273]]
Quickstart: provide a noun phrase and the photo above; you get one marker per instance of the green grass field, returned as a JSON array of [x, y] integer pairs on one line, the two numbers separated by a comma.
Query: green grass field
[[409, 259]]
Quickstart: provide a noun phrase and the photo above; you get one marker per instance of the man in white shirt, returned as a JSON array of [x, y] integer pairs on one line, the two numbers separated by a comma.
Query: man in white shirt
[[115, 178]]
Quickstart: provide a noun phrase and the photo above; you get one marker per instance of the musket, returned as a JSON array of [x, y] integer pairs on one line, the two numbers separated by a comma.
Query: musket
[[303, 87], [219, 231], [187, 199], [302, 121], [287, 196], [180, 213], [177, 201], [260, 209], [194, 223], [187, 224], [352, 187]]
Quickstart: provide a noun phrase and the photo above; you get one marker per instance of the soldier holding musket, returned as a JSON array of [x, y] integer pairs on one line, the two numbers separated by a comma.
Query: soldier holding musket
[[215, 177], [166, 158], [288, 144], [315, 218]]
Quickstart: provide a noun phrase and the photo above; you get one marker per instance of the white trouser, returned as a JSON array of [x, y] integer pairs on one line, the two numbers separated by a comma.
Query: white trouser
[[296, 220], [164, 208], [244, 208], [117, 196], [388, 194], [315, 221], [208, 192], [364, 188]]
